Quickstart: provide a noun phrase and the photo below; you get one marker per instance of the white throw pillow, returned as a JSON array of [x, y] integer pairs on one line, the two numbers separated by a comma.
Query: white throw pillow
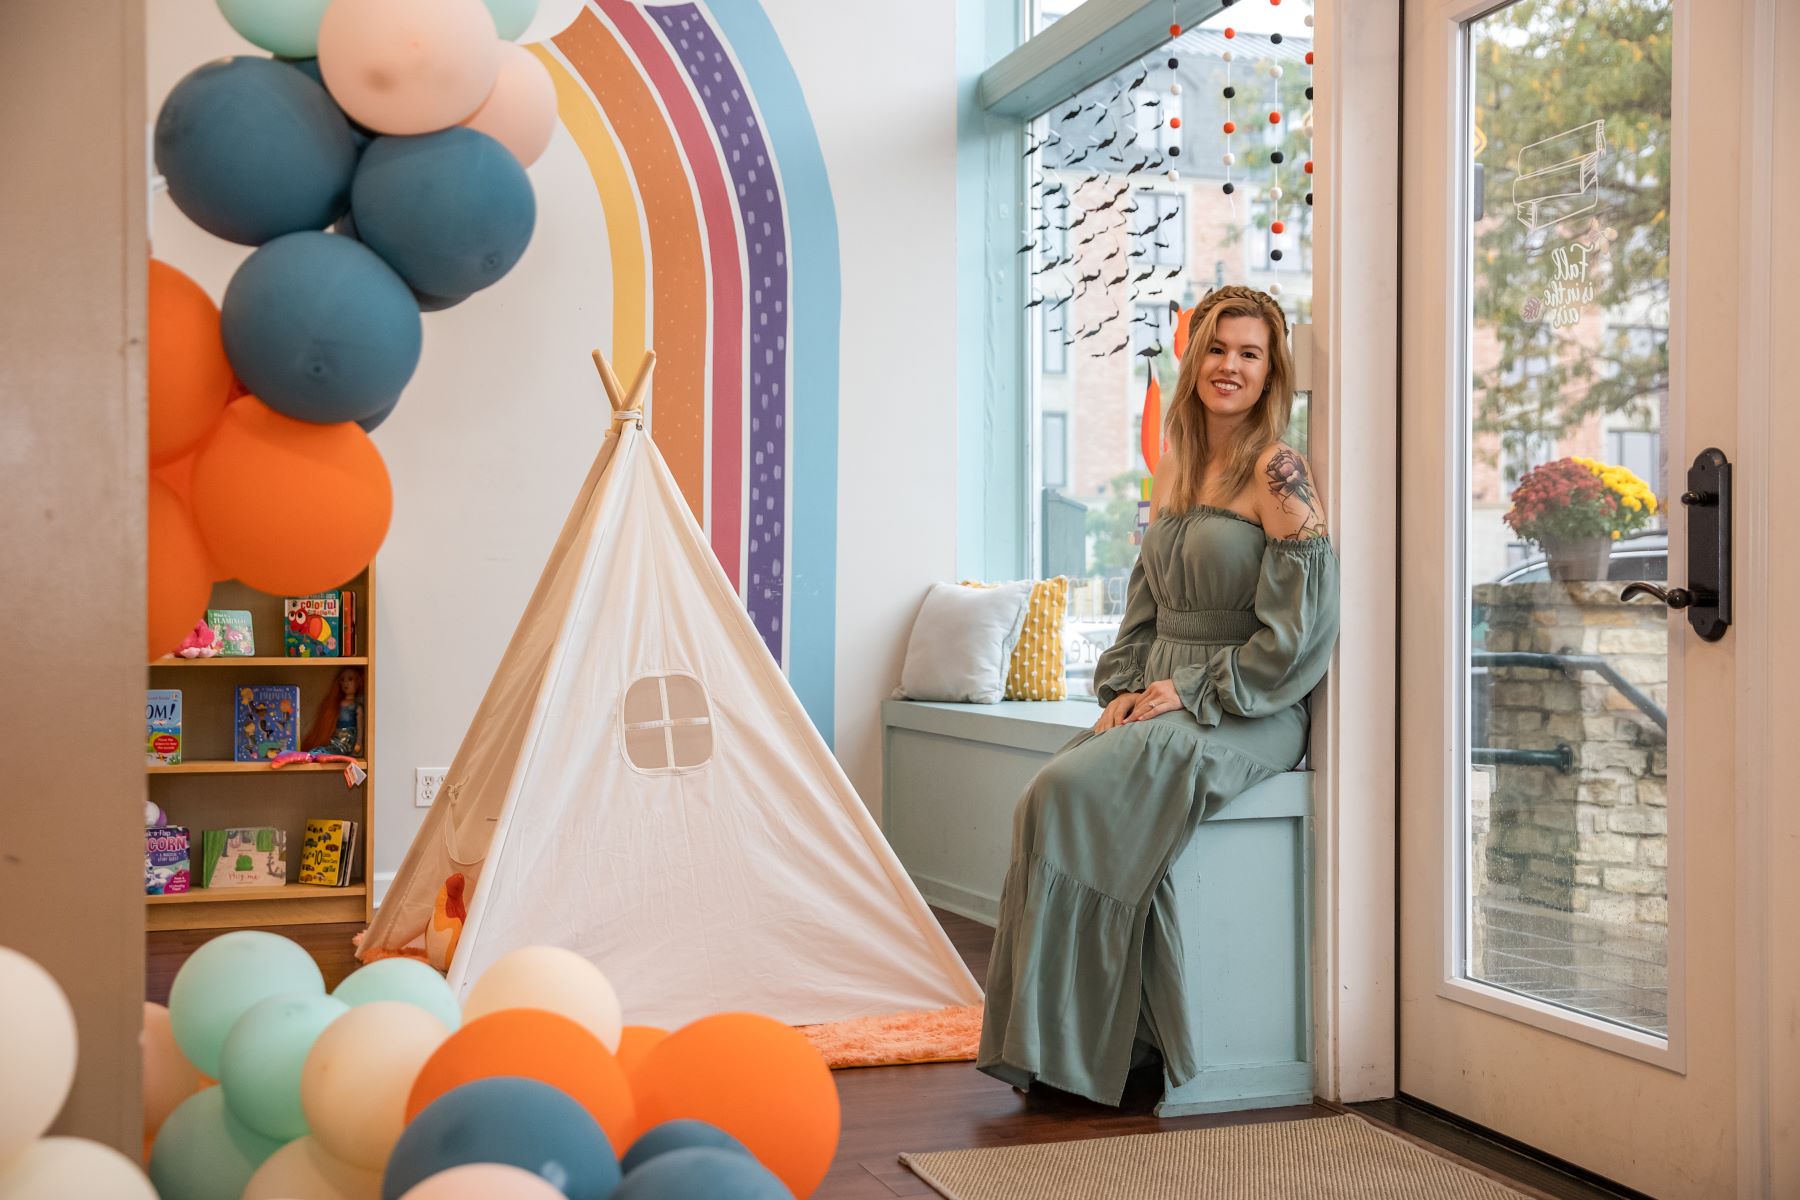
[[962, 641]]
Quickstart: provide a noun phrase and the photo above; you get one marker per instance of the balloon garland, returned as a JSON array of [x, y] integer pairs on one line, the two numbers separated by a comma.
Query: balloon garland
[[377, 163]]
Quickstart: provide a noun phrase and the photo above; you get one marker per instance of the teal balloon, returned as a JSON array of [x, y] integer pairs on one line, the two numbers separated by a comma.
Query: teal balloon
[[289, 28], [220, 982], [252, 149], [675, 1135], [406, 980], [505, 1119], [512, 17], [309, 67], [202, 1152], [702, 1171], [451, 211], [259, 1068], [319, 329]]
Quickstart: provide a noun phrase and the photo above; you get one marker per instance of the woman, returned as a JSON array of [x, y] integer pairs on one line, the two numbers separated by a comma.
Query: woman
[[1229, 622]]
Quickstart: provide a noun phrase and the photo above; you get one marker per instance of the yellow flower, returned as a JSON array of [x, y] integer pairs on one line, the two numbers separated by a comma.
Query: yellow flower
[[1615, 534]]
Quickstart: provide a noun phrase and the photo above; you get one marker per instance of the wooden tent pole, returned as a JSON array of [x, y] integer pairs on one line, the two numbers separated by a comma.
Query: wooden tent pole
[[635, 398], [610, 382]]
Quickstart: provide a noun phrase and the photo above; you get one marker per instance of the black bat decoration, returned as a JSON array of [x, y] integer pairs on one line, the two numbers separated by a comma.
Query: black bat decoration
[[1079, 157], [1032, 149], [1035, 303], [1111, 138], [1174, 271], [1160, 245], [1094, 332], [1138, 253], [1122, 345], [1143, 320], [1149, 352], [1072, 113], [1137, 166], [1143, 74], [1111, 256], [1089, 179], [1026, 248], [1090, 237], [1078, 220], [1145, 275], [1060, 302], [1121, 279], [1090, 278]]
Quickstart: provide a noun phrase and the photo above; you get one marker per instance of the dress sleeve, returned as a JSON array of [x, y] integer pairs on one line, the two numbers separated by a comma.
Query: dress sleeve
[[1297, 606], [1121, 667]]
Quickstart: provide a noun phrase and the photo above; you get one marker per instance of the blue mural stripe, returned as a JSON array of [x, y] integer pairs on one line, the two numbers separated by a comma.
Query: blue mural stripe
[[812, 582]]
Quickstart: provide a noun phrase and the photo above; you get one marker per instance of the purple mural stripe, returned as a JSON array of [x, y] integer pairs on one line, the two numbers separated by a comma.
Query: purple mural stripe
[[750, 165]]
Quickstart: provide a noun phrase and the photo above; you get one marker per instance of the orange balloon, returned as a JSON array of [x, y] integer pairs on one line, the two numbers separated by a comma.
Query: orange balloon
[[533, 1044], [755, 1078], [635, 1044], [290, 507], [178, 477], [190, 379], [180, 575]]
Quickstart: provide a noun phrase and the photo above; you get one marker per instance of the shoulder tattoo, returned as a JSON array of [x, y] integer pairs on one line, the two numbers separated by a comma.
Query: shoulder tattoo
[[1293, 490]]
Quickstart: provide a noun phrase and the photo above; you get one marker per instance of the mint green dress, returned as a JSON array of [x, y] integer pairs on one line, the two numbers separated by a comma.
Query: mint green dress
[[1084, 963]]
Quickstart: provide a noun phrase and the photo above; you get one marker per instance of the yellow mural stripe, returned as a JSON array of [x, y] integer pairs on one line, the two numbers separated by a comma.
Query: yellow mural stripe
[[624, 234]]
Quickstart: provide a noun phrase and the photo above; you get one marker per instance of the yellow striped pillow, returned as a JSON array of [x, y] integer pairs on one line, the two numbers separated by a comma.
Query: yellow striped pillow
[[1035, 671]]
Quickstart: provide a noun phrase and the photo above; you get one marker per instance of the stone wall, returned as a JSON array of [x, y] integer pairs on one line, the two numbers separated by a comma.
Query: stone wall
[[1590, 841]]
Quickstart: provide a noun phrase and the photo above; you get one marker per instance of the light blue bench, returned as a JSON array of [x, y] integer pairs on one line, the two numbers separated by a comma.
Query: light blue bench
[[951, 776]]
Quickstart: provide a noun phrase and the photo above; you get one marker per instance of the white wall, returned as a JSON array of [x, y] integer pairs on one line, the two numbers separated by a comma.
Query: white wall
[[495, 431]]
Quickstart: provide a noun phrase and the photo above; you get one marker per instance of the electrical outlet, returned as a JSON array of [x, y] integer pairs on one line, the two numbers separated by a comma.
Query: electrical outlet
[[426, 782]]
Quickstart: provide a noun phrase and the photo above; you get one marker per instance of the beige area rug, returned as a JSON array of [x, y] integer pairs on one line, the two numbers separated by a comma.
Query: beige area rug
[[1325, 1158]]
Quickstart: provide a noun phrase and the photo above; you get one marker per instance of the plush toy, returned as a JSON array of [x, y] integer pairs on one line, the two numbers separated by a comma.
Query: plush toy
[[203, 642], [446, 923]]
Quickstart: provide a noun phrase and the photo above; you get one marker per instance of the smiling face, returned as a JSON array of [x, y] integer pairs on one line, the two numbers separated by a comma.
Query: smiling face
[[1235, 369]]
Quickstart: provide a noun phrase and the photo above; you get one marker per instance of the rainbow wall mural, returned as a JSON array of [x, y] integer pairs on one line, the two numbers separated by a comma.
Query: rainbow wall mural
[[723, 237]]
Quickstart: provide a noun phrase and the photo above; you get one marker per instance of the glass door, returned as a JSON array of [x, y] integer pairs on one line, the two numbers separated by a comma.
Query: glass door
[[1569, 339]]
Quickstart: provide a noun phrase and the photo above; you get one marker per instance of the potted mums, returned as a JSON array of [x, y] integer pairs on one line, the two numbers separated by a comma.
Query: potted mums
[[1575, 509]]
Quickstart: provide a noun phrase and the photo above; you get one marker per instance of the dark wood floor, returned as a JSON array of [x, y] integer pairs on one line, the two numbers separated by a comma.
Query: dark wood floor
[[887, 1110]]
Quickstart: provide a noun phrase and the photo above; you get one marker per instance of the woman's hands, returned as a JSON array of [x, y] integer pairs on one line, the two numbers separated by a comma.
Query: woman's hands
[[1129, 707], [1154, 701], [1116, 713]]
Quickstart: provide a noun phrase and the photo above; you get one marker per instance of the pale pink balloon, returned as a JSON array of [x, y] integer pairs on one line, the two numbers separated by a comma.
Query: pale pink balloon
[[483, 1181], [409, 66], [520, 113], [169, 1078]]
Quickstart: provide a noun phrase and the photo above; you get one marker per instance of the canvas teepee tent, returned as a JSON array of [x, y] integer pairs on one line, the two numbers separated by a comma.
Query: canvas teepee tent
[[641, 785]]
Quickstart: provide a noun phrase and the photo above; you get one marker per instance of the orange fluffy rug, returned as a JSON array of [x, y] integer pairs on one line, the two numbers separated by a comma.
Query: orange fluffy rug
[[946, 1035]]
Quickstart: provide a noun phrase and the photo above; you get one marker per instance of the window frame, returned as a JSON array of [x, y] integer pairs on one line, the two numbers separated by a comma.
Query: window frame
[[667, 723]]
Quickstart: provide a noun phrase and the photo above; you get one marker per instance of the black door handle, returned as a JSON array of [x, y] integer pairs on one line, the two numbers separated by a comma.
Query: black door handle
[[1708, 502]]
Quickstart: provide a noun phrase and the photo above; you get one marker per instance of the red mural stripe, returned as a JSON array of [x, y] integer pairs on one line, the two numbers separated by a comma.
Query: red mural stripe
[[677, 263], [726, 426]]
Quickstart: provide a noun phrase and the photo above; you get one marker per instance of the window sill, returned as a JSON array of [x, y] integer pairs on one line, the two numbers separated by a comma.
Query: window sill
[[1042, 725]]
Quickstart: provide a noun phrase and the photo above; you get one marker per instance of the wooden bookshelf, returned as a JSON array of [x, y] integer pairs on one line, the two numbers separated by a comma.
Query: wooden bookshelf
[[208, 790]]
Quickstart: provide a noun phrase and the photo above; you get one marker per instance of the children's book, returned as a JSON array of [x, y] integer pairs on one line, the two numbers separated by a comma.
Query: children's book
[[166, 867], [349, 638], [268, 722], [162, 726], [314, 625], [325, 857], [237, 633], [243, 857]]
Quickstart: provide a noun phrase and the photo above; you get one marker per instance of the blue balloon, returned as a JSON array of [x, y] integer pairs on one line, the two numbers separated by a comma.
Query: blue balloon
[[504, 1119], [309, 67], [430, 303], [702, 1171], [253, 149], [451, 211], [678, 1135], [319, 328]]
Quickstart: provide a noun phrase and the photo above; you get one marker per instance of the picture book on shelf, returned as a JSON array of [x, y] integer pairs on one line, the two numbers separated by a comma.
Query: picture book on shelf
[[267, 722], [237, 633], [243, 857], [166, 866], [327, 854], [314, 625], [162, 726]]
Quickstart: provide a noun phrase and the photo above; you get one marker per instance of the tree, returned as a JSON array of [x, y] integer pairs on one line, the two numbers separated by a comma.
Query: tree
[[1112, 525], [1579, 307]]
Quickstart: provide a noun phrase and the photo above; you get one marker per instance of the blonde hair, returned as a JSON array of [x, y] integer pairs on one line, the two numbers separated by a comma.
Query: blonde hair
[[1185, 425]]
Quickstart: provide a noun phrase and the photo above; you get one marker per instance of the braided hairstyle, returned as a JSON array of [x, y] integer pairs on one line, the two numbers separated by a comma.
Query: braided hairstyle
[[1190, 452]]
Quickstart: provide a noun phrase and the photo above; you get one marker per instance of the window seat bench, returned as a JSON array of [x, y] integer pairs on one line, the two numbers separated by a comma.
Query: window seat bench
[[952, 775]]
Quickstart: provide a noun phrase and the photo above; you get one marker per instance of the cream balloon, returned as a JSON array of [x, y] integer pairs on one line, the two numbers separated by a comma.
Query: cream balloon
[[37, 1055], [520, 113], [169, 1078], [408, 66], [553, 979], [482, 1181], [59, 1168], [304, 1170], [358, 1075], [553, 16]]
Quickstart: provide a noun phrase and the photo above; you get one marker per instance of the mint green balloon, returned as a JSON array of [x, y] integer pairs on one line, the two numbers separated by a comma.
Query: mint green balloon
[[259, 1068], [202, 1152], [221, 980], [289, 28], [512, 17], [406, 980]]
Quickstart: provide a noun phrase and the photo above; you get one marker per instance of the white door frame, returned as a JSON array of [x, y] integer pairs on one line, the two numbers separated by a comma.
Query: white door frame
[[1356, 297]]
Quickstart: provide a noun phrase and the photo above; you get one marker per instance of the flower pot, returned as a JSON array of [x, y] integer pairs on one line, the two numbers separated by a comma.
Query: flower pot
[[1578, 558]]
